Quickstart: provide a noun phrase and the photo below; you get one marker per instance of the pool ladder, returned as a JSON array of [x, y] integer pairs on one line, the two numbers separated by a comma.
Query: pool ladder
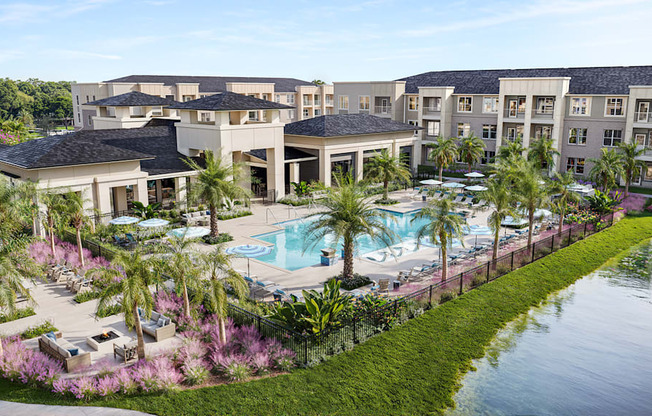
[[269, 211]]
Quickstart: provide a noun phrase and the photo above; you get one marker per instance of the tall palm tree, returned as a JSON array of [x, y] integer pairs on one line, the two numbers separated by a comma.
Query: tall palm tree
[[471, 149], [443, 153], [443, 227], [542, 152], [54, 206], [348, 215], [215, 183], [501, 200], [512, 150], [29, 209], [217, 265], [530, 191], [566, 196], [130, 279], [386, 168], [631, 164], [73, 211], [181, 268], [606, 169]]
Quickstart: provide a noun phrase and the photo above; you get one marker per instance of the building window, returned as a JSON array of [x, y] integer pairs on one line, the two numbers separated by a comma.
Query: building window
[[317, 112], [79, 117], [612, 137], [489, 131], [343, 101], [205, 117], [575, 165], [577, 136], [489, 104], [187, 98], [579, 106], [90, 120], [291, 114], [363, 102], [545, 105], [266, 97], [277, 98], [317, 99], [329, 99], [290, 98], [157, 111], [433, 103], [253, 116], [413, 103], [541, 131], [614, 107], [464, 104], [514, 132], [87, 100], [306, 113], [432, 128], [77, 98], [463, 129], [307, 99], [488, 157], [93, 98], [329, 111]]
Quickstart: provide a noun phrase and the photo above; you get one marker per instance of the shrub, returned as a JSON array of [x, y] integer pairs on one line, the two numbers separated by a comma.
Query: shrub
[[357, 281], [386, 201], [221, 238], [195, 371], [86, 296], [31, 367], [233, 214], [446, 296], [18, 314], [37, 330], [294, 201], [478, 280], [109, 310]]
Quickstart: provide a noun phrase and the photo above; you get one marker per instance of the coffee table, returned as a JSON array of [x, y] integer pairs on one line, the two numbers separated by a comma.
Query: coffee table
[[104, 344]]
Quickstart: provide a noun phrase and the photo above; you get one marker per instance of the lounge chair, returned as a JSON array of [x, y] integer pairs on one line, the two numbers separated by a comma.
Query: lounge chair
[[378, 256], [383, 286], [458, 199]]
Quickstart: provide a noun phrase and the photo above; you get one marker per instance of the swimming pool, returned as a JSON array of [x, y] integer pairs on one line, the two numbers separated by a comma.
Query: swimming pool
[[289, 242]]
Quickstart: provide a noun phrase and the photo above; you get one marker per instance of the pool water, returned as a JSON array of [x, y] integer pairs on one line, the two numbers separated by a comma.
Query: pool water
[[585, 352], [289, 243]]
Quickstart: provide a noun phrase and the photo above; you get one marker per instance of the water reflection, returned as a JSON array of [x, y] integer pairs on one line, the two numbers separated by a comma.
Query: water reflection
[[587, 351]]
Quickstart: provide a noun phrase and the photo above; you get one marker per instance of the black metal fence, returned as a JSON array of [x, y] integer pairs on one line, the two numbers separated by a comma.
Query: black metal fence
[[312, 348]]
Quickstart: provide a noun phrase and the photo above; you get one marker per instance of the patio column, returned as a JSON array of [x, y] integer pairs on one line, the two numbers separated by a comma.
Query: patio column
[[325, 167], [180, 188], [159, 191], [294, 172], [276, 170], [103, 198], [140, 192], [120, 198], [359, 169]]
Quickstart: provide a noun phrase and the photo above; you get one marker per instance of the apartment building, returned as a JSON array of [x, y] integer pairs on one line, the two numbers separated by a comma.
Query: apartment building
[[581, 109], [306, 99]]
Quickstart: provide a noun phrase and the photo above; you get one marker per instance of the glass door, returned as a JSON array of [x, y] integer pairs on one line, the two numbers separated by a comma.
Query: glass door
[[641, 139], [383, 106], [643, 112], [513, 109]]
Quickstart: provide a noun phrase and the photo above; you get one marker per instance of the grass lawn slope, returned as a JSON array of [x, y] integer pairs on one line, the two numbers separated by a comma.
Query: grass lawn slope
[[414, 369]]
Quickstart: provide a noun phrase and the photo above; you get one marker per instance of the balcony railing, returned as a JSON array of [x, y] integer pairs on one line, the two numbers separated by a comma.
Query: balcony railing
[[329, 102], [542, 113], [383, 109], [432, 110], [514, 114], [643, 117]]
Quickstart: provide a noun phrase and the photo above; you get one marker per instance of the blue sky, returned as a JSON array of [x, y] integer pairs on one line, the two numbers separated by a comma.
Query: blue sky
[[94, 40]]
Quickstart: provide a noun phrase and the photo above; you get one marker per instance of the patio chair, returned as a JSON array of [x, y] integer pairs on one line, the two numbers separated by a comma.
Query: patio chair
[[119, 241], [126, 351], [130, 239], [383, 286], [72, 280], [378, 257], [458, 199]]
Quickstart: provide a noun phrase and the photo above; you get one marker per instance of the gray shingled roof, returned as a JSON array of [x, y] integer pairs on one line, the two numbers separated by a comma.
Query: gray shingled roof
[[229, 101], [214, 84], [590, 80], [155, 146], [133, 99], [291, 153], [346, 125]]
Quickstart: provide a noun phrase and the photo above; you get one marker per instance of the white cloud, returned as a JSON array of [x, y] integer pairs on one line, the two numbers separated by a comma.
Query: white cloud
[[23, 12], [74, 54]]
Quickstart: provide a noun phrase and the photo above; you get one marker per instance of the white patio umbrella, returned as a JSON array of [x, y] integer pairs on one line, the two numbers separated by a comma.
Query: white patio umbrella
[[250, 251], [432, 182], [476, 188], [538, 213], [153, 222], [474, 175], [188, 232], [453, 185], [477, 230], [125, 220]]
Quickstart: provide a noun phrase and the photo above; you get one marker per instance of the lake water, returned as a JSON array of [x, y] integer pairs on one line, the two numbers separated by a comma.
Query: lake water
[[588, 351]]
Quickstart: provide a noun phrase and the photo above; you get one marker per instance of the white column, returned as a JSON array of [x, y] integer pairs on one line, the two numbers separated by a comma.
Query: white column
[[294, 172], [325, 167], [359, 169], [103, 198], [140, 192], [120, 195], [181, 191], [276, 170], [527, 125]]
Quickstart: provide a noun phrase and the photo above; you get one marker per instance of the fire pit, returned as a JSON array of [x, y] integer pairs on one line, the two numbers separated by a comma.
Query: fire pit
[[103, 342]]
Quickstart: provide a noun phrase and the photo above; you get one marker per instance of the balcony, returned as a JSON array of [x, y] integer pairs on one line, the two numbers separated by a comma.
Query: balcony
[[383, 110], [514, 114], [543, 113], [643, 117], [329, 102], [434, 110]]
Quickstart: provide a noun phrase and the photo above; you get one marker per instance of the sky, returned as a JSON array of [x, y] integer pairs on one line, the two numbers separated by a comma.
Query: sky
[[333, 40]]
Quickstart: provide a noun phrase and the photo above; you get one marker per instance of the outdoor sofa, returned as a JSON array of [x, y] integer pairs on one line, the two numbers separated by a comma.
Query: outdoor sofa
[[158, 326], [60, 349], [195, 217]]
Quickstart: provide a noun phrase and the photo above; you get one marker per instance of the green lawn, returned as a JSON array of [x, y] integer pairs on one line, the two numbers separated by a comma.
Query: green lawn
[[640, 190], [413, 369]]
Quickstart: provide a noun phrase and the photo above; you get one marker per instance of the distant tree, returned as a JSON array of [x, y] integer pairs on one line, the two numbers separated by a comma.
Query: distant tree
[[606, 169], [386, 168], [318, 82], [631, 162], [542, 152], [443, 153], [512, 150], [471, 149]]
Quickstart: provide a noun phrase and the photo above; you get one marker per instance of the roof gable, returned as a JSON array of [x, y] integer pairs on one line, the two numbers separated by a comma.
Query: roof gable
[[229, 101], [346, 125], [133, 99]]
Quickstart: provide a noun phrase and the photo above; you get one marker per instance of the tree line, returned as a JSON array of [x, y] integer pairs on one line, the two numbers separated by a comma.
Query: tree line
[[34, 102]]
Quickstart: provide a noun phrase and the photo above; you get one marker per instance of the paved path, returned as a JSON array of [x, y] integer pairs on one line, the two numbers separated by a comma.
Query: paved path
[[22, 409]]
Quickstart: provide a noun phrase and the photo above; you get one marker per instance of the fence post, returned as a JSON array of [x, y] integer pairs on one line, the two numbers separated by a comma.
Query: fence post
[[305, 350], [488, 267], [355, 334], [430, 297], [570, 234], [533, 251], [395, 308], [461, 283], [258, 322], [552, 244], [585, 224], [512, 265]]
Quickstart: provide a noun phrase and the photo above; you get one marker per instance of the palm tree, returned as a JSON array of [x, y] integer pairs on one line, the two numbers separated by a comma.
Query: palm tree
[[631, 164], [54, 205], [471, 149], [501, 199], [215, 183], [130, 279], [560, 186], [182, 269], [443, 153], [218, 267], [73, 211], [443, 227], [606, 169], [28, 194], [348, 215], [512, 150], [530, 191], [542, 152], [386, 168]]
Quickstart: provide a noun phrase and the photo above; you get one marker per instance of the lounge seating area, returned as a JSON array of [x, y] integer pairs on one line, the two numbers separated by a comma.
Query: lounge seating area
[[196, 218], [158, 325], [60, 349]]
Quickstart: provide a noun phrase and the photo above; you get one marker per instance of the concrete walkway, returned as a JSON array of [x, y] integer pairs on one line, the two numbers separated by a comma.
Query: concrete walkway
[[23, 409]]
